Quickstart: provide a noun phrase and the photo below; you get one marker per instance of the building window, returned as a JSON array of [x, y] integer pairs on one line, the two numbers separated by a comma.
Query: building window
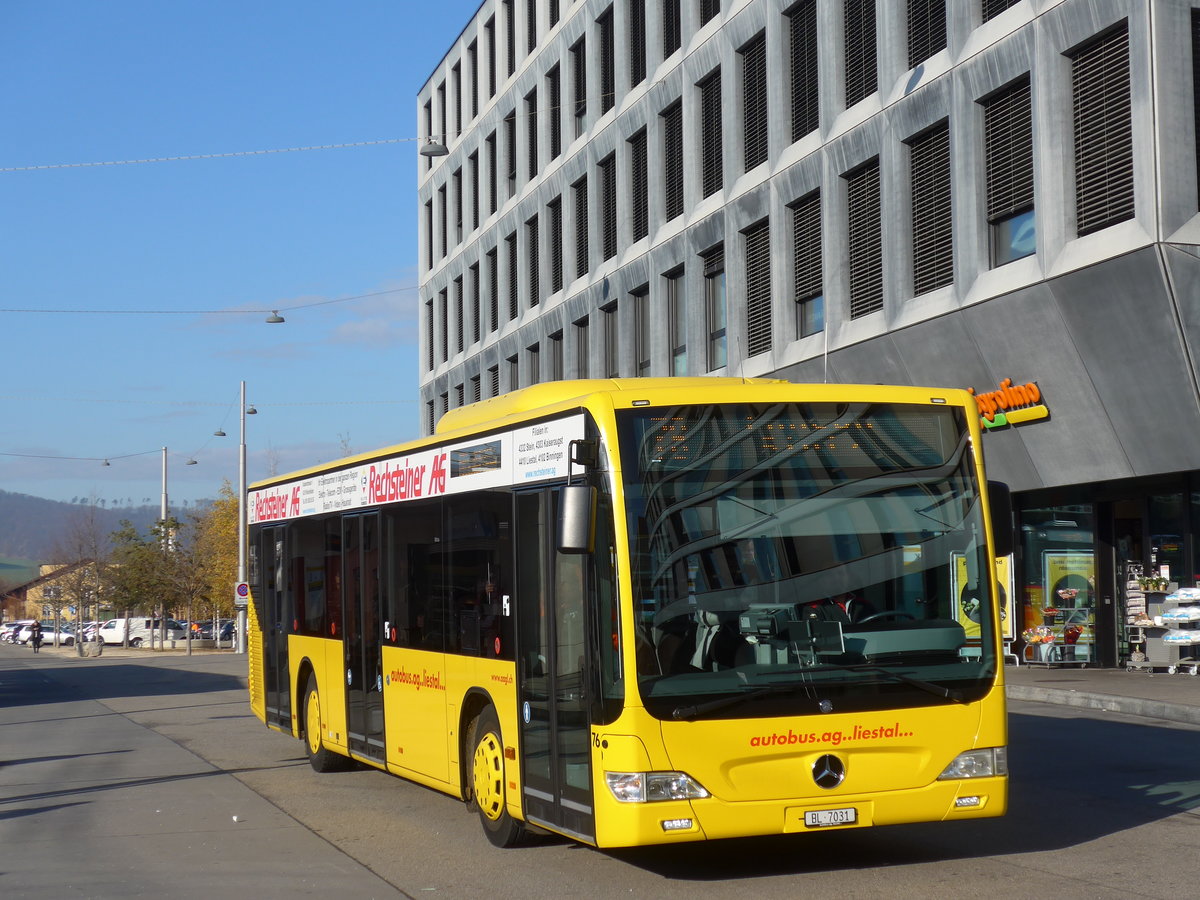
[[864, 223], [459, 394], [459, 318], [444, 317], [429, 131], [429, 335], [714, 305], [473, 171], [579, 70], [532, 256], [993, 8], [534, 354], [802, 22], [441, 94], [553, 13], [510, 28], [493, 381], [1103, 131], [612, 356], [677, 321], [429, 234], [608, 71], [493, 269], [709, 10], [672, 128], [858, 17], [712, 176], [672, 32], [554, 111], [641, 330], [473, 61], [514, 373], [807, 273], [456, 84], [639, 194], [457, 182], [510, 244], [510, 146], [556, 244], [530, 26], [637, 42], [556, 357], [758, 288], [926, 30], [444, 214], [579, 189], [531, 114], [475, 394], [932, 231], [754, 101], [1008, 159], [581, 348], [476, 310], [493, 172], [489, 33], [607, 169], [430, 417]]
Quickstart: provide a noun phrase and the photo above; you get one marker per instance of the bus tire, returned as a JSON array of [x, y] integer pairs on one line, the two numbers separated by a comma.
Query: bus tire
[[487, 780], [320, 757]]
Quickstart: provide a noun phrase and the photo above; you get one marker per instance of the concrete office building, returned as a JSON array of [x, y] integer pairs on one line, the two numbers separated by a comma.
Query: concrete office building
[[993, 194]]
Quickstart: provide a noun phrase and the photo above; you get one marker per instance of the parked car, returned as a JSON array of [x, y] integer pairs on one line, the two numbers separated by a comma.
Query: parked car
[[9, 630], [141, 631], [228, 631], [65, 637]]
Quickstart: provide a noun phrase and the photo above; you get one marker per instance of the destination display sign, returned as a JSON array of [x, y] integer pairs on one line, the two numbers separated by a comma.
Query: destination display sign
[[524, 455]]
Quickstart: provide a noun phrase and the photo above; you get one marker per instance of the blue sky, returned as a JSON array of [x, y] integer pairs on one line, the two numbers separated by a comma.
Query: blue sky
[[123, 288]]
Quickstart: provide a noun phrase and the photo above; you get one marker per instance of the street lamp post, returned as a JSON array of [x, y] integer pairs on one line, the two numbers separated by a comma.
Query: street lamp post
[[241, 529]]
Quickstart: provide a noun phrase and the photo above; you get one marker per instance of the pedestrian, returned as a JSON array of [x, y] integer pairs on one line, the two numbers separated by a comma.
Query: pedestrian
[[35, 635]]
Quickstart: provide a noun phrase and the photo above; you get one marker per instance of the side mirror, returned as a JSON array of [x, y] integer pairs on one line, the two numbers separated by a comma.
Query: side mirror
[[576, 518], [1000, 500]]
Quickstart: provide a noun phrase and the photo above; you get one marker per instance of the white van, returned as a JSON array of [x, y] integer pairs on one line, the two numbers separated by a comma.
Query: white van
[[141, 631]]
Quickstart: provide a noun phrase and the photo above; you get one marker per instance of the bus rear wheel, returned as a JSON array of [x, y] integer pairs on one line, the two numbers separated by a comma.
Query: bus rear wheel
[[487, 781], [321, 758]]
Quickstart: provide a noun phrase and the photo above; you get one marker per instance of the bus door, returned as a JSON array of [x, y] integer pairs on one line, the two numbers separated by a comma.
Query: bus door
[[552, 702], [276, 614], [362, 635]]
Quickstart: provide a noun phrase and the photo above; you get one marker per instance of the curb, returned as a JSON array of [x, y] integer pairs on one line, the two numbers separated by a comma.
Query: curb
[[1133, 706]]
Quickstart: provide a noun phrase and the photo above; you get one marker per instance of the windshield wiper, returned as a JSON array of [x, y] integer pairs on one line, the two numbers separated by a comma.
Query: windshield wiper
[[711, 706], [927, 686]]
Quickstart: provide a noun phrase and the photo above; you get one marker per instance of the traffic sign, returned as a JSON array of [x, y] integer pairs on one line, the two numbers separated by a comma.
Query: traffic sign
[[241, 595]]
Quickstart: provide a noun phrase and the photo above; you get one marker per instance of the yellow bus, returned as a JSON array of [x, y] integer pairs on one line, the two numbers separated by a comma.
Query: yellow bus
[[648, 611]]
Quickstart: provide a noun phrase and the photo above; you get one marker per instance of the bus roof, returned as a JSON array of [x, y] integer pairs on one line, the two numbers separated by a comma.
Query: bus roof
[[552, 396]]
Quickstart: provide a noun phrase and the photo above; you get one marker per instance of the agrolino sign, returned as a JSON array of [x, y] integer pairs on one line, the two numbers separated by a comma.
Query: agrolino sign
[[1011, 404]]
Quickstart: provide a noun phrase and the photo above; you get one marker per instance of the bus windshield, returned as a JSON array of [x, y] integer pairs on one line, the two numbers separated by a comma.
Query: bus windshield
[[799, 557]]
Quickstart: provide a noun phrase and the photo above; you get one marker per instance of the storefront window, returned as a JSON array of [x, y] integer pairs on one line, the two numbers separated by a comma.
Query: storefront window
[[1167, 528], [1059, 583]]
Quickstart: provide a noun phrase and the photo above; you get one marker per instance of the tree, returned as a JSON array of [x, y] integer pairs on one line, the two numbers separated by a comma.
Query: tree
[[135, 578], [82, 552], [215, 534]]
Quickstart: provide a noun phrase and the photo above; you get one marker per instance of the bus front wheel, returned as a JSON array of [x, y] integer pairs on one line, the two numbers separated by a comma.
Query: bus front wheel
[[487, 781], [319, 756]]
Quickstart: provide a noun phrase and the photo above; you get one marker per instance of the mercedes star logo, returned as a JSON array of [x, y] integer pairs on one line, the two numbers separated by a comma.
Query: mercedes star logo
[[828, 771]]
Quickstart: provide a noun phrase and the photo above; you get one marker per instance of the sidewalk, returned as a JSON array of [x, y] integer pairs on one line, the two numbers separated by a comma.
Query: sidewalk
[[1158, 696]]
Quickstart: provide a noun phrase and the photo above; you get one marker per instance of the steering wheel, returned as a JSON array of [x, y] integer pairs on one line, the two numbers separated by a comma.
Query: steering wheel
[[886, 614]]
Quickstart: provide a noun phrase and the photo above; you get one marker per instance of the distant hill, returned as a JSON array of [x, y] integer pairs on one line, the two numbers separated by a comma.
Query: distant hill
[[31, 527]]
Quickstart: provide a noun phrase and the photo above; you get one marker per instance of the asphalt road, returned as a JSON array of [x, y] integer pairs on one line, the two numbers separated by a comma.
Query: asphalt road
[[121, 777]]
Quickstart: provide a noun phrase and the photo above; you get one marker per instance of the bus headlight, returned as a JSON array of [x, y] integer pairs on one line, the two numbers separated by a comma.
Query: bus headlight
[[649, 787], [977, 764]]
